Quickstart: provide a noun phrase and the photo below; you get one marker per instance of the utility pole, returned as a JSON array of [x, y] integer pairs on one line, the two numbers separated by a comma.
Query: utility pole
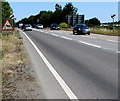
[[0, 46], [113, 16]]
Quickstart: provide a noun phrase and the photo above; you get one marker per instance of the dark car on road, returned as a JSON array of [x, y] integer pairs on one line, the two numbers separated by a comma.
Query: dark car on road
[[81, 29], [55, 26]]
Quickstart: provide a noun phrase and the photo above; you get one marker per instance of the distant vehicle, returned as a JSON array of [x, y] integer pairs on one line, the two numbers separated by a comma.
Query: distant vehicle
[[27, 27], [39, 26], [81, 29], [20, 25], [55, 26], [33, 25]]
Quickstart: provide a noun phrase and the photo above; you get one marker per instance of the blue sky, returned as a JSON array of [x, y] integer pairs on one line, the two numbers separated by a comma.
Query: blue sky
[[101, 10]]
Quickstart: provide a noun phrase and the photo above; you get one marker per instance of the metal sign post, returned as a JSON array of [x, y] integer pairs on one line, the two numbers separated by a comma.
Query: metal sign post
[[0, 47], [113, 16]]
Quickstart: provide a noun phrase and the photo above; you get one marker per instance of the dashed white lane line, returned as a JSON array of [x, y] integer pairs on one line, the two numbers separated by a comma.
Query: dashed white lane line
[[46, 32], [54, 34], [88, 37], [112, 41], [90, 44], [97, 46], [117, 51], [80, 36], [65, 38], [98, 38], [62, 83]]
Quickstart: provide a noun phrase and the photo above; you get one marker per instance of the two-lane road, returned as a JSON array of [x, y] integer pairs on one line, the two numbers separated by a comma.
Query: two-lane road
[[88, 66]]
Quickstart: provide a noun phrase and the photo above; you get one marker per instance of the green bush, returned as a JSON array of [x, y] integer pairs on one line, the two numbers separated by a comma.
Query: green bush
[[63, 25]]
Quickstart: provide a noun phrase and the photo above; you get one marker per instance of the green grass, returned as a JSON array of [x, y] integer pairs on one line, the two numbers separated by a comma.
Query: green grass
[[66, 29]]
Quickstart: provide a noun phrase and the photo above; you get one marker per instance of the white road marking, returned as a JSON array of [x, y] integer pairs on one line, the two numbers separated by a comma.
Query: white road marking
[[92, 37], [89, 37], [111, 41], [54, 34], [41, 31], [36, 30], [80, 36], [118, 51], [90, 44], [97, 46], [65, 38], [65, 87], [83, 36], [111, 50], [46, 32]]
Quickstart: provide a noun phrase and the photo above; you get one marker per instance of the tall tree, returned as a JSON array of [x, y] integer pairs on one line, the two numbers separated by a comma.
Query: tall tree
[[31, 20], [58, 14], [93, 22], [6, 11], [46, 17], [69, 9]]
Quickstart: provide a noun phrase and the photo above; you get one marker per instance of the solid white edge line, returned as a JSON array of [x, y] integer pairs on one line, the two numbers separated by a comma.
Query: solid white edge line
[[62, 83]]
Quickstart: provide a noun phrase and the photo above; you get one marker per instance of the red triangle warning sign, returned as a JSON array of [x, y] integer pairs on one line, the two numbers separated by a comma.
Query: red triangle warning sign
[[7, 26]]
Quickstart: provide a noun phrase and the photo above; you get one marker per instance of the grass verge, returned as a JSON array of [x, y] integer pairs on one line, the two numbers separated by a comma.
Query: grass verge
[[13, 58], [18, 81], [100, 30], [106, 31]]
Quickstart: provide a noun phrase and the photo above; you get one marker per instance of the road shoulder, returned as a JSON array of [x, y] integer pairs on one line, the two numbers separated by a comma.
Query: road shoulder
[[19, 79], [43, 75]]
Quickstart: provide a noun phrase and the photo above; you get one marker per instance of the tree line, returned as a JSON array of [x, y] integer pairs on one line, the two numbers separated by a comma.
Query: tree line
[[48, 17], [58, 16]]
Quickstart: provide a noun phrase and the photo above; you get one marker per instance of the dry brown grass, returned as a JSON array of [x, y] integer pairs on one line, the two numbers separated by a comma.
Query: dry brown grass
[[106, 31], [18, 78], [12, 50], [13, 55]]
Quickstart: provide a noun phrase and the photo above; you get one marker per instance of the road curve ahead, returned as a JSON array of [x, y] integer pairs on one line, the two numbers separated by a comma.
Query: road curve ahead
[[89, 67]]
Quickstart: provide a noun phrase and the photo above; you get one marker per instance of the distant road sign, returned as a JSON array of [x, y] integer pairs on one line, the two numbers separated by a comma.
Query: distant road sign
[[7, 26], [75, 19]]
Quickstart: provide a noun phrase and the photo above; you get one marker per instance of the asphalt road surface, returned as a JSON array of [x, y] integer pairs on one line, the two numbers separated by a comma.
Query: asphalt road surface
[[85, 67]]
